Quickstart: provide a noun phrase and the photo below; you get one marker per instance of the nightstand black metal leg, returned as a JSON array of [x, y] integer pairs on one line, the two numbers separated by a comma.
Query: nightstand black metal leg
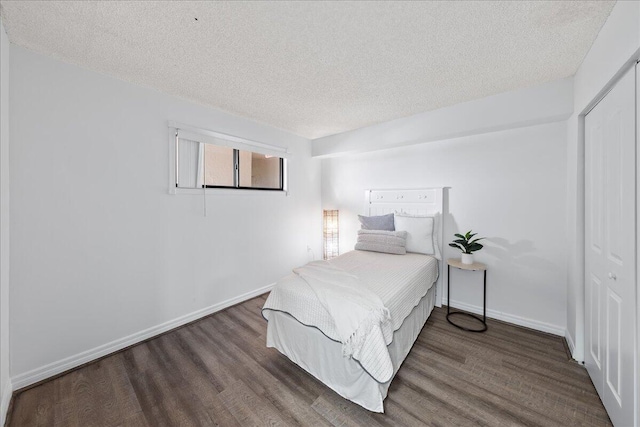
[[484, 300], [461, 313], [448, 287]]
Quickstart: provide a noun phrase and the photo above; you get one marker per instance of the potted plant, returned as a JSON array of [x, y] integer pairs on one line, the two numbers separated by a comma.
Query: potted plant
[[467, 246]]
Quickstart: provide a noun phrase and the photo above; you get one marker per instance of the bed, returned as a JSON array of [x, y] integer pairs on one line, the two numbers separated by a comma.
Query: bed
[[408, 286]]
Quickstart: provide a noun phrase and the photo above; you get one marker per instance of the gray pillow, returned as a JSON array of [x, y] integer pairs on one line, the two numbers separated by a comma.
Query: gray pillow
[[389, 242], [381, 222]]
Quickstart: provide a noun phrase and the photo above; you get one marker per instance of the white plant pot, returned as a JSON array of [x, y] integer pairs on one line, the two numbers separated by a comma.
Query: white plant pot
[[467, 258]]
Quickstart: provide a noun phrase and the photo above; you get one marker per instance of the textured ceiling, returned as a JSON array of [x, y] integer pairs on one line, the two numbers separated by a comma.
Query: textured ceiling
[[316, 68]]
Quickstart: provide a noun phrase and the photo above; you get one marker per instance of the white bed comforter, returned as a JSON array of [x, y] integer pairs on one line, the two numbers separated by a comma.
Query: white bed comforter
[[398, 282], [355, 309]]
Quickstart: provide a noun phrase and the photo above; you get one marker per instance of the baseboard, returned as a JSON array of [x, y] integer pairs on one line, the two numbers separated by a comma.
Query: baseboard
[[510, 318], [576, 353], [6, 400], [60, 366], [570, 343]]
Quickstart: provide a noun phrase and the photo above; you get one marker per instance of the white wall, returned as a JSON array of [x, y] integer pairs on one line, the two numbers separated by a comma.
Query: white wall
[[530, 106], [99, 249], [5, 381], [509, 186], [615, 49]]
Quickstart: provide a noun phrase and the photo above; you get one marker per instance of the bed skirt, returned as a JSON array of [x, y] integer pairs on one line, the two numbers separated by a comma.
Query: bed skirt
[[321, 357]]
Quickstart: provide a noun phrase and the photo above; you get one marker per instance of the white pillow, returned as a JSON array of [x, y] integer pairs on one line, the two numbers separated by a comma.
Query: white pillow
[[436, 229], [420, 235]]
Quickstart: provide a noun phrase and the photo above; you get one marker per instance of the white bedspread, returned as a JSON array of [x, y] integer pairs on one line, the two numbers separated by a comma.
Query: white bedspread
[[355, 309], [399, 281]]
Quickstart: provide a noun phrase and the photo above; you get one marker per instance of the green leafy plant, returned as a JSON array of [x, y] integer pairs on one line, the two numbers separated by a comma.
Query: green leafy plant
[[465, 244]]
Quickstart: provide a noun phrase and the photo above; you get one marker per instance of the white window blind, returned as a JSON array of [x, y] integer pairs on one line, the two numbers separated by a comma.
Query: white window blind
[[189, 163]]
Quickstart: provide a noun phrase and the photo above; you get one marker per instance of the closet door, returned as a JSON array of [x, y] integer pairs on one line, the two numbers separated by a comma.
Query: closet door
[[610, 249]]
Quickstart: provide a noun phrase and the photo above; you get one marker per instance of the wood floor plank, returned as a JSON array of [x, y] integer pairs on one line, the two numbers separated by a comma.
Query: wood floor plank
[[292, 405], [435, 405], [191, 371], [294, 377], [232, 357], [106, 407], [252, 348], [38, 409], [334, 409], [218, 372], [219, 414], [399, 415], [178, 399], [245, 321], [248, 408], [66, 406], [137, 420], [475, 384]]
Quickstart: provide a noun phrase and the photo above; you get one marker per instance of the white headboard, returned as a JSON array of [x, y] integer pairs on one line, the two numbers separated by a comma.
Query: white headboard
[[421, 201]]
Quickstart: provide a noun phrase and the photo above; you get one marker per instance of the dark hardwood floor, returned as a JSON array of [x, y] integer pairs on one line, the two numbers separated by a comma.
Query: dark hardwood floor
[[217, 371]]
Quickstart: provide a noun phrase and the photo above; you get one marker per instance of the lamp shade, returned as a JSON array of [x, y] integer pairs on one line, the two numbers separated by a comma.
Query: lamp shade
[[331, 233]]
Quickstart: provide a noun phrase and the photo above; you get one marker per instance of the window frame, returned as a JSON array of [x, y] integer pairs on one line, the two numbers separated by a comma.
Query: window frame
[[178, 131]]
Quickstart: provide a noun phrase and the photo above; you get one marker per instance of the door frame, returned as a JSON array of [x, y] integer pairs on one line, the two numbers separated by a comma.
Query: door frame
[[637, 338]]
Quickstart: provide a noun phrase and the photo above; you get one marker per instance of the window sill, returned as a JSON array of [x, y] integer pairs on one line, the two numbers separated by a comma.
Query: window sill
[[224, 192]]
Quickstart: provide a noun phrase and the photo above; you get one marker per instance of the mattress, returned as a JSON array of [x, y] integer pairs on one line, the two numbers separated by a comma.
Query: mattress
[[321, 357]]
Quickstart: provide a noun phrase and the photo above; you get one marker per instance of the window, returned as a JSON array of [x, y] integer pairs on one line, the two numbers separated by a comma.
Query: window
[[222, 161], [232, 168], [219, 166]]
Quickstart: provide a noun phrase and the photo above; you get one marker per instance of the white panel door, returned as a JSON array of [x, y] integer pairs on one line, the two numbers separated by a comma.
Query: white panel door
[[610, 250]]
